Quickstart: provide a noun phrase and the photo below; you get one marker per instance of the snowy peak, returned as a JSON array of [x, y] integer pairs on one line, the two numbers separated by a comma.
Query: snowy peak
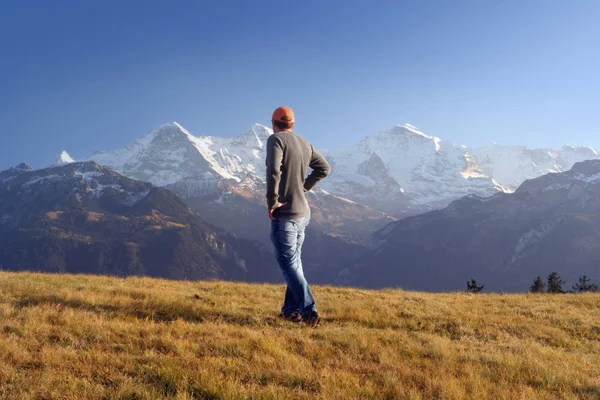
[[262, 131], [413, 133], [408, 129], [399, 137], [64, 158], [169, 132], [181, 128], [254, 138]]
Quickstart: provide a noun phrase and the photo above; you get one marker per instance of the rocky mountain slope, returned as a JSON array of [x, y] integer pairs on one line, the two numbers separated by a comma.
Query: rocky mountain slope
[[551, 223], [83, 217]]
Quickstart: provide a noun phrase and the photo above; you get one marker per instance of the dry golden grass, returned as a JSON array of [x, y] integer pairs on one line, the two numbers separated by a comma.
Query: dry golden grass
[[87, 337], [162, 221], [54, 214], [94, 217]]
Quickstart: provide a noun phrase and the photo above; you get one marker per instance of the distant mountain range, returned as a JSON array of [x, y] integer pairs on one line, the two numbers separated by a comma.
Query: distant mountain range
[[75, 210], [550, 223], [393, 174], [401, 171]]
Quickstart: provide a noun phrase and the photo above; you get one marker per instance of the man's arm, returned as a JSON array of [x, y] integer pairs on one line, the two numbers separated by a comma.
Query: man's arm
[[320, 169], [274, 160]]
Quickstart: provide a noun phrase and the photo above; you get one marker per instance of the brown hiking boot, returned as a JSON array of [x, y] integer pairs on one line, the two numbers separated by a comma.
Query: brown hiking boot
[[312, 319], [293, 316]]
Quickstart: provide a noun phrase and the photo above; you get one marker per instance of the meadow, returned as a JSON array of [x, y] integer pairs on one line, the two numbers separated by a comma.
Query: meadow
[[94, 337]]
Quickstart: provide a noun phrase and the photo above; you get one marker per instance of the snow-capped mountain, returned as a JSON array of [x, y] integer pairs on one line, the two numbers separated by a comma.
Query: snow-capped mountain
[[170, 154], [63, 158], [401, 171]]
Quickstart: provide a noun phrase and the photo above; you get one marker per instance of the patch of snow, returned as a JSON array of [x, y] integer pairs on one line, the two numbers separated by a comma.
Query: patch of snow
[[8, 178], [97, 190], [472, 174], [132, 199], [556, 186], [88, 175], [531, 237], [587, 178], [222, 197], [41, 179]]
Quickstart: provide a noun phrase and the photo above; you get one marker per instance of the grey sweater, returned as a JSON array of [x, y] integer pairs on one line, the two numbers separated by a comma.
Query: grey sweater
[[288, 158]]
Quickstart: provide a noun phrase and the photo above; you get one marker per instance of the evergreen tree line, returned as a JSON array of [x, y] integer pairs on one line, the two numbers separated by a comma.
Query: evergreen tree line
[[555, 285]]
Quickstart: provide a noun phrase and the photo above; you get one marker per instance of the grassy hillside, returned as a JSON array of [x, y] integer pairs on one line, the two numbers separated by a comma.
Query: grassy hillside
[[88, 337]]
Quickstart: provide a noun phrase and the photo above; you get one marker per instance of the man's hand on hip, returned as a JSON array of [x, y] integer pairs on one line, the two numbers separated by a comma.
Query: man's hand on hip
[[272, 210]]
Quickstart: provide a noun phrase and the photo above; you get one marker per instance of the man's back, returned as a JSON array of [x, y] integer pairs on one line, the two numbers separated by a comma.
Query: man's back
[[288, 158]]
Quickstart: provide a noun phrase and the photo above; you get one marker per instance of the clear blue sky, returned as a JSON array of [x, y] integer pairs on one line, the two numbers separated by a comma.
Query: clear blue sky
[[95, 75]]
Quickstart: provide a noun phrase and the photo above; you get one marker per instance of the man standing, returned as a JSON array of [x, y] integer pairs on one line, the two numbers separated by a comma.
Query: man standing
[[288, 158]]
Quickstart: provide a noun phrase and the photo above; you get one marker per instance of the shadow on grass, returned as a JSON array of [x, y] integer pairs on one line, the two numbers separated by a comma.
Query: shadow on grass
[[375, 324], [157, 312], [593, 391]]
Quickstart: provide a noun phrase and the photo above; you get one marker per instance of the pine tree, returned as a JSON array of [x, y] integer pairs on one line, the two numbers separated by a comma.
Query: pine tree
[[555, 283], [584, 285], [538, 285], [472, 286]]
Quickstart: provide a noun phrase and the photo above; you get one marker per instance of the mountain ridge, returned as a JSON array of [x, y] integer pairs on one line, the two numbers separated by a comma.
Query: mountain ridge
[[400, 171]]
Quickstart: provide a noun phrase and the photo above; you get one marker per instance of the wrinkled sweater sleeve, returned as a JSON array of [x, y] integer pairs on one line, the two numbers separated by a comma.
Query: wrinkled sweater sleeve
[[274, 160], [320, 169]]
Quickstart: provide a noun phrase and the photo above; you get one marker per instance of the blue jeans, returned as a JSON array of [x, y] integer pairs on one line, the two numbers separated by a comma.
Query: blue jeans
[[287, 235]]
